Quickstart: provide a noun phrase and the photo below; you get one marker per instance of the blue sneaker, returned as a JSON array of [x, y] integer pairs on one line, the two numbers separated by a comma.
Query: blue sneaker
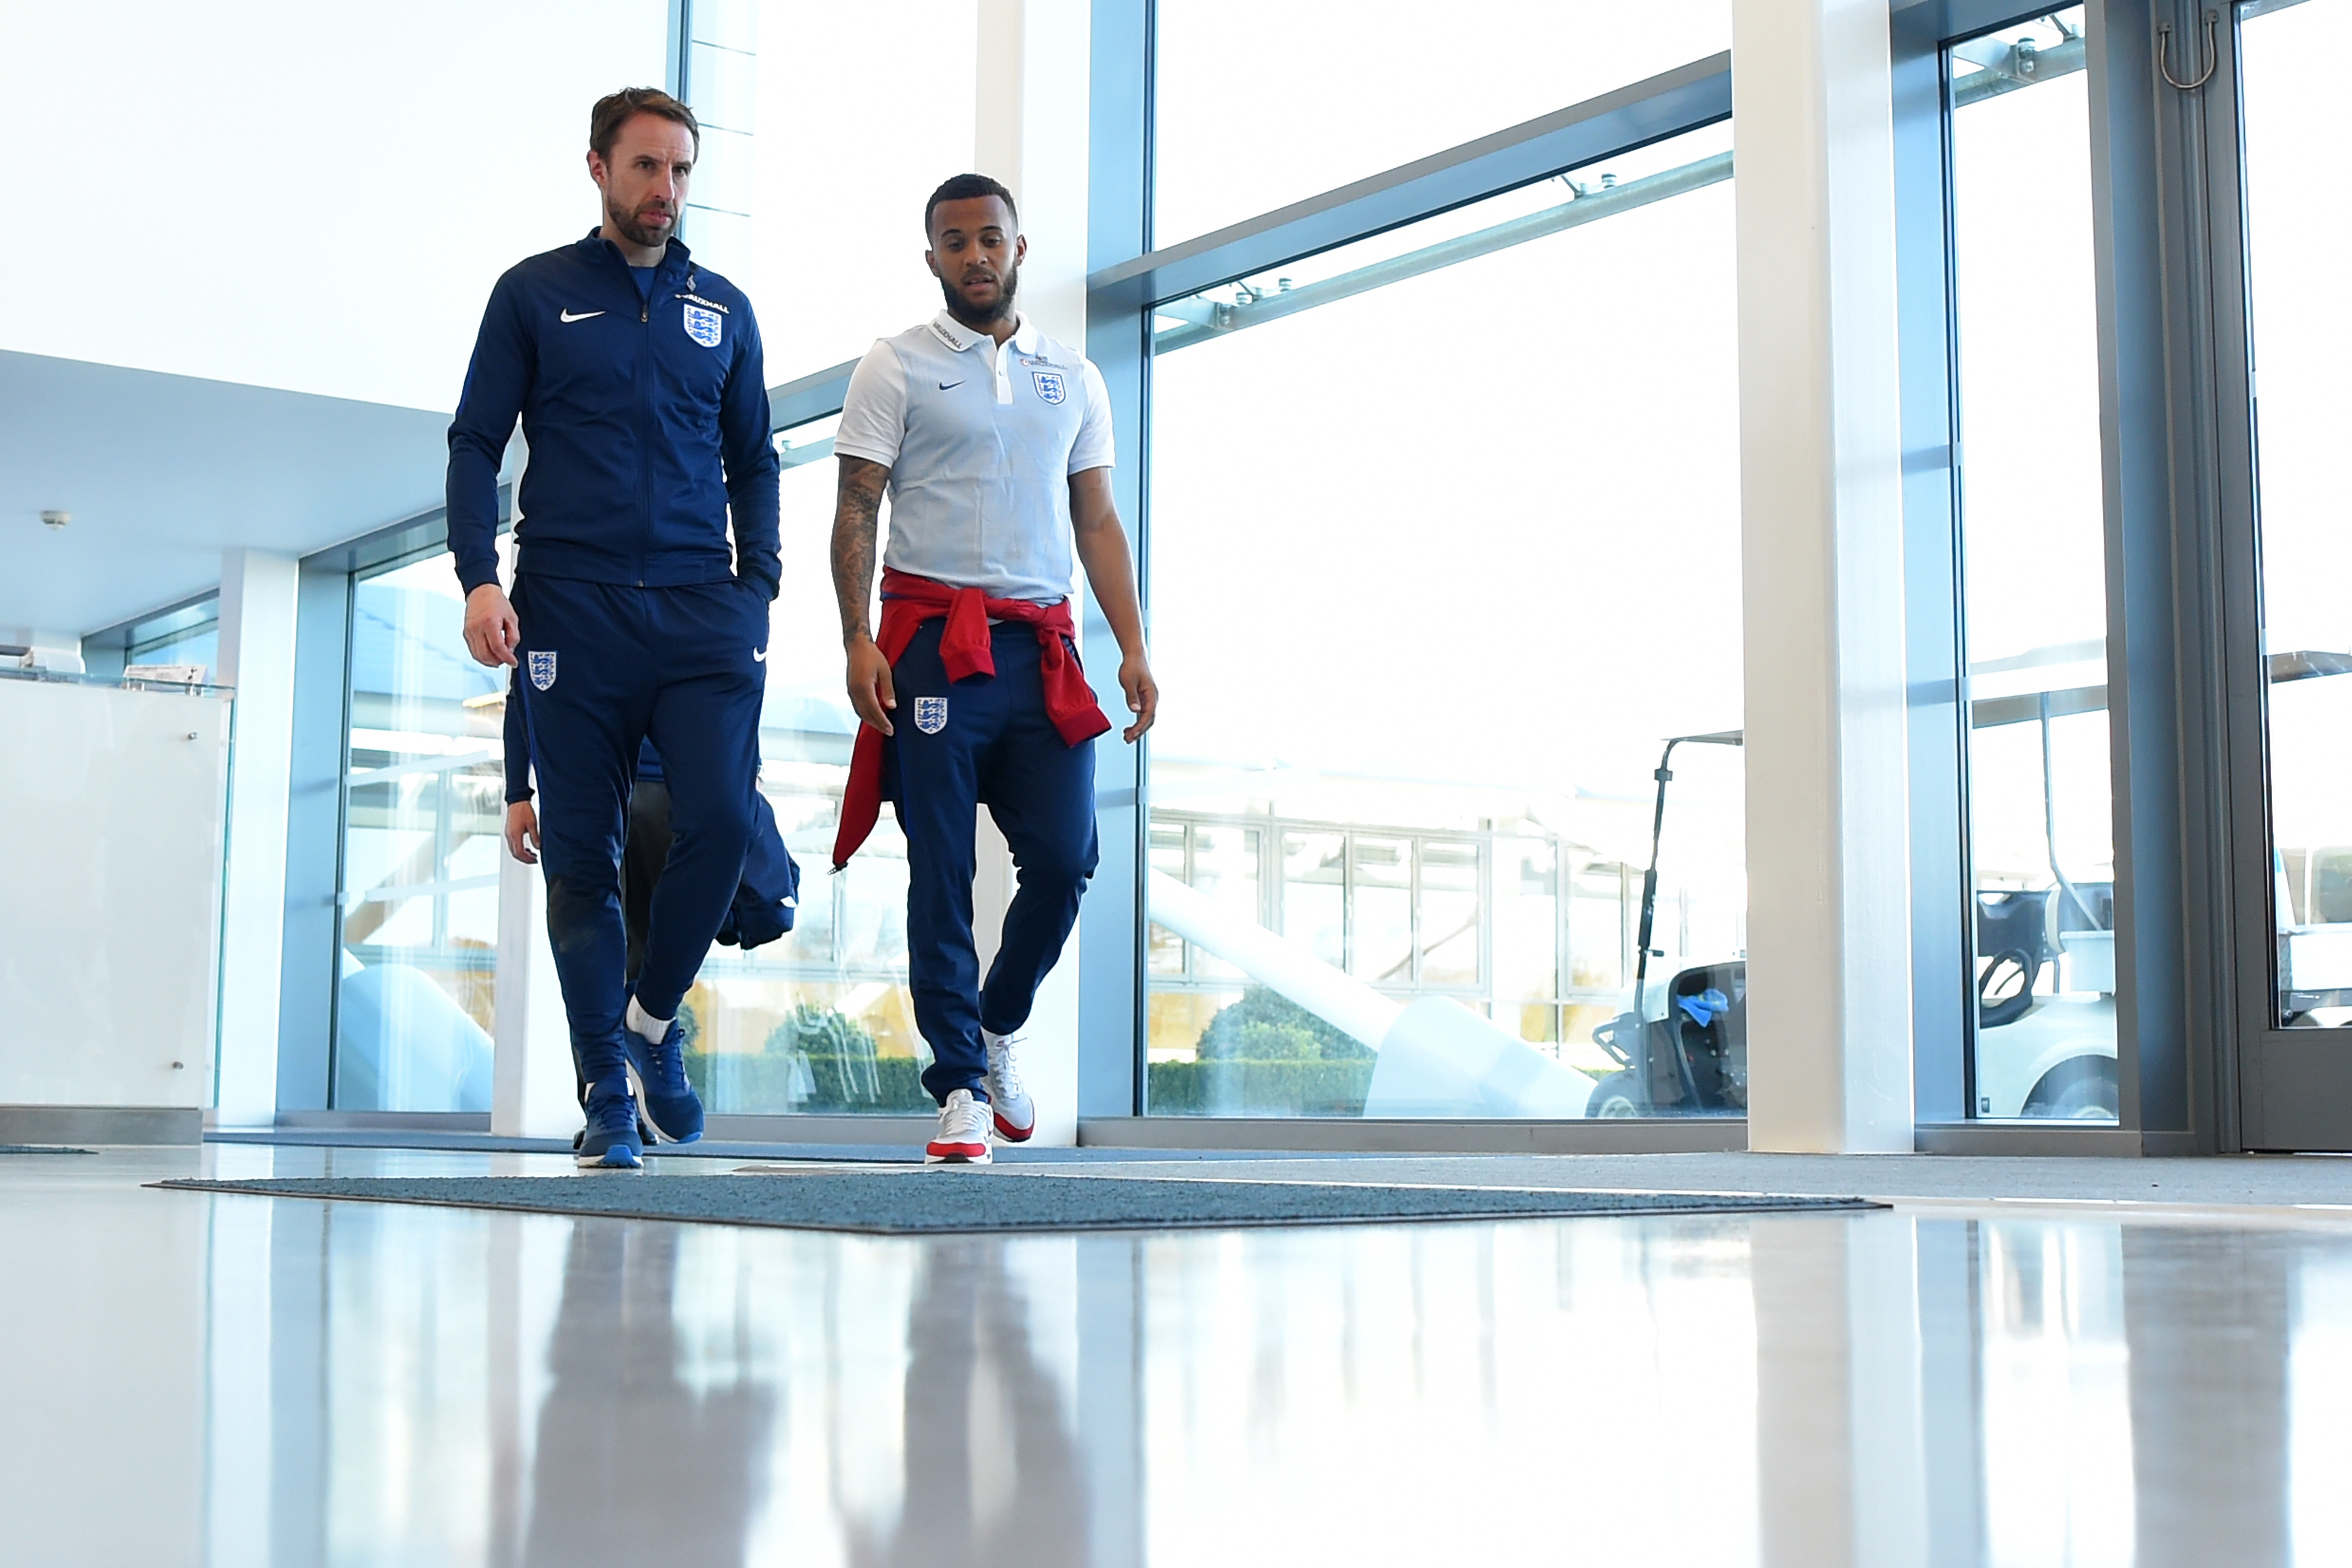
[[611, 1143], [658, 1072]]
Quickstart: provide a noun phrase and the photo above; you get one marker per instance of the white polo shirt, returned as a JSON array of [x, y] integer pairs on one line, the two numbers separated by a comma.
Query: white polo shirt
[[981, 442]]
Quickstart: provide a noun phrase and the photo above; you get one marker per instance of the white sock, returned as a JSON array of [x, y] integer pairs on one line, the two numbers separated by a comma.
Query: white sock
[[641, 1022]]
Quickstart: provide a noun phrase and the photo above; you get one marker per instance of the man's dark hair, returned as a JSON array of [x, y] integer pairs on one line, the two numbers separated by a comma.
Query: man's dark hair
[[963, 188], [616, 109]]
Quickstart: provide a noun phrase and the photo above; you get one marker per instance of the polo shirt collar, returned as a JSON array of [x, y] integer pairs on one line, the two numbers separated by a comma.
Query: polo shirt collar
[[959, 337]]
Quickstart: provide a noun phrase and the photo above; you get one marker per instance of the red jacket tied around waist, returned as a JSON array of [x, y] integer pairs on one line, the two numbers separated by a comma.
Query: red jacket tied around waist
[[909, 602]]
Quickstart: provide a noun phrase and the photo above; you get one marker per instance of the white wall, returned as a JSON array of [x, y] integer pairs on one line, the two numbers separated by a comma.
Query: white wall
[[110, 807], [305, 196]]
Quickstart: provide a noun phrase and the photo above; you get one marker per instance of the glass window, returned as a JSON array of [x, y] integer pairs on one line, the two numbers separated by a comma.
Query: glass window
[[1256, 109], [1493, 569], [831, 251], [2033, 552], [820, 1020], [423, 805], [187, 635], [2302, 332]]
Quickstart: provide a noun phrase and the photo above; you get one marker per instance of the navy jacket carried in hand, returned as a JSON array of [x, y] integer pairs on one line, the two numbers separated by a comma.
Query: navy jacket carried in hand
[[648, 420], [767, 898]]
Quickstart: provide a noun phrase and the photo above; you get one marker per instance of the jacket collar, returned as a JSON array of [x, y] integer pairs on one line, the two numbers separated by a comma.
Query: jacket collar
[[676, 257], [959, 337]]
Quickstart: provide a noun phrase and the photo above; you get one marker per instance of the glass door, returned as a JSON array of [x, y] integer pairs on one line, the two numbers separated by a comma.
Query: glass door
[[2032, 548], [2294, 943]]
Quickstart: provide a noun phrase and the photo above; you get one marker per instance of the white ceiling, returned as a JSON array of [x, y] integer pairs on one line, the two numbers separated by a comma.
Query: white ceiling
[[287, 194], [333, 236], [163, 472]]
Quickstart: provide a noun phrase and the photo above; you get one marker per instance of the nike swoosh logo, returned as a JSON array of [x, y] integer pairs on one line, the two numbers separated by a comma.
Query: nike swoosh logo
[[759, 655], [582, 316], [950, 385]]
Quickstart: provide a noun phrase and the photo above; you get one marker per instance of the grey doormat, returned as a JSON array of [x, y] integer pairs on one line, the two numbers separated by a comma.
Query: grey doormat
[[42, 1149], [921, 1203]]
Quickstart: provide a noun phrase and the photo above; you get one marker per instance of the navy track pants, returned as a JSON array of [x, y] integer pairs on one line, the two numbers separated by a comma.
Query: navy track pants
[[960, 745], [604, 665]]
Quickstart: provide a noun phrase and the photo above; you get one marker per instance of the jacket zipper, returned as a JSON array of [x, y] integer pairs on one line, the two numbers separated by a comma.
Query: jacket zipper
[[645, 425]]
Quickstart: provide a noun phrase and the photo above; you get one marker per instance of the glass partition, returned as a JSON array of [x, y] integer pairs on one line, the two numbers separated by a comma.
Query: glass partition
[[2301, 331], [1443, 551], [425, 796], [821, 1020], [831, 245], [2033, 560], [170, 643]]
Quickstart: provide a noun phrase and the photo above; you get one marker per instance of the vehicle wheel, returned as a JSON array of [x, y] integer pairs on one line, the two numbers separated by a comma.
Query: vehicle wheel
[[1618, 1095], [2083, 1089], [2005, 990]]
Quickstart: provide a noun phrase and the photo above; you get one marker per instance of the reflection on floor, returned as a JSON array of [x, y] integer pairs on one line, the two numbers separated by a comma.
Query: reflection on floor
[[231, 1380]]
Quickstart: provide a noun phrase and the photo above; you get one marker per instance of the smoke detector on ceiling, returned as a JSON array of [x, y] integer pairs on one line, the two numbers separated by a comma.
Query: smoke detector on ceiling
[[57, 519]]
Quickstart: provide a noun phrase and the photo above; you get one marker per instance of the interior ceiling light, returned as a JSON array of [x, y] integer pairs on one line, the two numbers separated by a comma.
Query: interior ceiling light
[[57, 519]]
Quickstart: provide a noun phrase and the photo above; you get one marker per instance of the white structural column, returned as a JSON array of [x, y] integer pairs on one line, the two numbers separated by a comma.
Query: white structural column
[[1032, 130], [1034, 63], [722, 83], [1821, 468], [259, 592], [533, 1091]]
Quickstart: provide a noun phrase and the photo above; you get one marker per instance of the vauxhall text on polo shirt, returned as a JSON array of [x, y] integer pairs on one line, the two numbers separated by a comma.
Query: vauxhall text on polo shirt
[[981, 442]]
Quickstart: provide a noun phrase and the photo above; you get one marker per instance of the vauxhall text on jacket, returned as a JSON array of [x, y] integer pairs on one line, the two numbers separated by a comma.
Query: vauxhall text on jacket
[[647, 421]]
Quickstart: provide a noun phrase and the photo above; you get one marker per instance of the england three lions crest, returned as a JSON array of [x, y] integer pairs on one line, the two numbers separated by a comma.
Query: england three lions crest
[[931, 714], [703, 326], [1050, 386], [543, 671]]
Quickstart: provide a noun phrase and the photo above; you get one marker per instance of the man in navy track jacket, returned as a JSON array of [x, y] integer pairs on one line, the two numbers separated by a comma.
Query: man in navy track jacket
[[638, 379]]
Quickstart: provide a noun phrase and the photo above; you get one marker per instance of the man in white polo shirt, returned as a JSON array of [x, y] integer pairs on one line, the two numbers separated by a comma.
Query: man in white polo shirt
[[993, 443]]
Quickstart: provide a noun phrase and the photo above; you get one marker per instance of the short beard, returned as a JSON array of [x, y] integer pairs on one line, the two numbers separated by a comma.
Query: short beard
[[636, 233], [983, 321]]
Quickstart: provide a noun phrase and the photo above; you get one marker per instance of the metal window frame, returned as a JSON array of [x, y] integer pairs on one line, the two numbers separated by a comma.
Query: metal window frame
[[1943, 889], [2270, 1088], [2164, 636]]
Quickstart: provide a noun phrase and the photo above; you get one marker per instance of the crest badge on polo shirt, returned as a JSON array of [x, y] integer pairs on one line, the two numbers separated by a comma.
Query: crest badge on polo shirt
[[543, 671], [931, 714], [703, 326], [1050, 384]]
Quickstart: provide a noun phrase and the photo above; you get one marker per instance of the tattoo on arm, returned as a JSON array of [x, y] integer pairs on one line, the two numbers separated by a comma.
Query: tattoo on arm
[[856, 522]]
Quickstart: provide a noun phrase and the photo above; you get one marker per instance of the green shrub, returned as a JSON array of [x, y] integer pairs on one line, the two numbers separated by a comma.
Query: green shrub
[[1235, 1033], [1276, 1043], [816, 1059], [770, 1084], [1234, 1087]]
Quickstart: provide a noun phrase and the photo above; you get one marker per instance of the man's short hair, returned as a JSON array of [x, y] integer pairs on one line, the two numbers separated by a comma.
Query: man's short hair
[[616, 109], [964, 189]]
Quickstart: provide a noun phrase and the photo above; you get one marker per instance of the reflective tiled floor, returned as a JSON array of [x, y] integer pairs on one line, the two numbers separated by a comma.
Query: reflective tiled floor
[[230, 1381]]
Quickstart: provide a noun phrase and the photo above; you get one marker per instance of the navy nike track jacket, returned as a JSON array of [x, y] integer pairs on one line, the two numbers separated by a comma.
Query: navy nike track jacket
[[648, 420]]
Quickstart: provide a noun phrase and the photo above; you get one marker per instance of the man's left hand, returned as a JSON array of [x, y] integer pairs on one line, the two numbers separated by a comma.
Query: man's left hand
[[1142, 694]]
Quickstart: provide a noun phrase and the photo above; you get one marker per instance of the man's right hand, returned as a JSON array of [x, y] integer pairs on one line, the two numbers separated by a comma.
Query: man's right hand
[[870, 691], [492, 633]]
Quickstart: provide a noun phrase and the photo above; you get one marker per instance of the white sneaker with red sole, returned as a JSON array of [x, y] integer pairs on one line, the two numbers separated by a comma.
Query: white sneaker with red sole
[[964, 1133], [1016, 1117]]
